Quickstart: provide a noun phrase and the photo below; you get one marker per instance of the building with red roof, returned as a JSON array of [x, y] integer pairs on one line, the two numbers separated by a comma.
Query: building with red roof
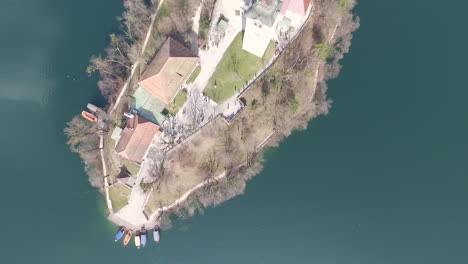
[[169, 69], [136, 138], [296, 6]]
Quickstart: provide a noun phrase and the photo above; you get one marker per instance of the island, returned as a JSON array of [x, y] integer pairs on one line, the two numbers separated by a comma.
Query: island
[[196, 90]]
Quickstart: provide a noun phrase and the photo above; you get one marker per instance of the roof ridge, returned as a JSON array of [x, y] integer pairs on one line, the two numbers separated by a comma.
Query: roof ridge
[[157, 62], [176, 49]]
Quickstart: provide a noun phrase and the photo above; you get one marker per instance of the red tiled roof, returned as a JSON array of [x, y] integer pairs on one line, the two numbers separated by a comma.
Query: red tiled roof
[[169, 69], [135, 141], [298, 6]]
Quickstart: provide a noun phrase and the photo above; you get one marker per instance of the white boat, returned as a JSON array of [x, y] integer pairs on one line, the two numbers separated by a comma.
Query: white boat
[[156, 234]]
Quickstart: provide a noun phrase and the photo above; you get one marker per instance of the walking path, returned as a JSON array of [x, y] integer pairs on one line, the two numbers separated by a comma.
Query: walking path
[[153, 19], [135, 66], [187, 194], [210, 58], [132, 214], [104, 171], [314, 87]]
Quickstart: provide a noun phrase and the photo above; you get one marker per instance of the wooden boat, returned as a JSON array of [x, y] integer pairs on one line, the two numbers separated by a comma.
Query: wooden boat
[[128, 237], [137, 239], [156, 234], [120, 234], [143, 236], [88, 116]]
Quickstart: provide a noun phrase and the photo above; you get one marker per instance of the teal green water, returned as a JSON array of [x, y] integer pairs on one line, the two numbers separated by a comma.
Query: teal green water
[[381, 179]]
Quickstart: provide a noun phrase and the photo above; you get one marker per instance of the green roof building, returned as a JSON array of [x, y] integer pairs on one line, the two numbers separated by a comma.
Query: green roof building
[[148, 106]]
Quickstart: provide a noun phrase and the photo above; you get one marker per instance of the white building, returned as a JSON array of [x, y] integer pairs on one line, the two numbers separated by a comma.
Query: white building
[[259, 26], [265, 19]]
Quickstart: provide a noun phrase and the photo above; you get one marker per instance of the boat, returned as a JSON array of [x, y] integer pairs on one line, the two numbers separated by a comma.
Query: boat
[[120, 234], [137, 239], [128, 237], [156, 234], [88, 116], [143, 236]]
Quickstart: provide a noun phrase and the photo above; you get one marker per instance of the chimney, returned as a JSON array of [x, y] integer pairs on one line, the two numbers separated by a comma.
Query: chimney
[[135, 121], [130, 120]]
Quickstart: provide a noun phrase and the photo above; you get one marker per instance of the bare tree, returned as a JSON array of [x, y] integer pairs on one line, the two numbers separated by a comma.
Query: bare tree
[[103, 65], [135, 20], [210, 164], [123, 50], [84, 140], [157, 167], [79, 132], [111, 71], [118, 51], [170, 133], [205, 21], [195, 105]]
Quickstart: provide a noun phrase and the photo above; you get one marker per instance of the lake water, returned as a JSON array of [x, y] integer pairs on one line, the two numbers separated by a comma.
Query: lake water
[[381, 179]]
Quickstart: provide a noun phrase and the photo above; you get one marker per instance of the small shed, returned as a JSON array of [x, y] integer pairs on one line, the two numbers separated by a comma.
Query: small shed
[[222, 25], [125, 178]]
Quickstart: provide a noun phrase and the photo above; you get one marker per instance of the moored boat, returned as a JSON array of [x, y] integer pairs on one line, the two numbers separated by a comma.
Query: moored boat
[[156, 234], [128, 237], [137, 239], [89, 116], [120, 234], [143, 236]]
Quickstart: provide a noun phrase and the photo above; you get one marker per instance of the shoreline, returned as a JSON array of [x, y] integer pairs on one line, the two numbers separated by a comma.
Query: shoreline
[[133, 215], [152, 220]]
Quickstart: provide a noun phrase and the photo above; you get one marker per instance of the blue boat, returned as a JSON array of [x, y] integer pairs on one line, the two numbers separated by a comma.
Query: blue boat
[[143, 237], [120, 234], [156, 234]]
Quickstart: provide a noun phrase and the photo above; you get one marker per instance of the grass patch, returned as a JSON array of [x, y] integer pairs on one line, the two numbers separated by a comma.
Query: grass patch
[[111, 158], [177, 103], [344, 4], [234, 70], [195, 74], [323, 50], [119, 195], [164, 11]]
